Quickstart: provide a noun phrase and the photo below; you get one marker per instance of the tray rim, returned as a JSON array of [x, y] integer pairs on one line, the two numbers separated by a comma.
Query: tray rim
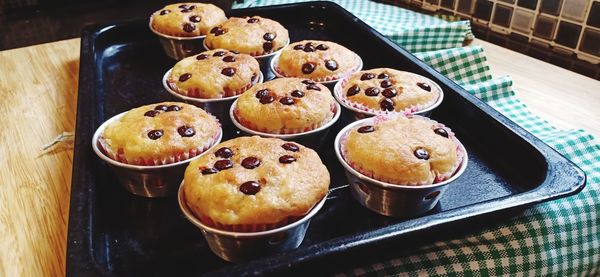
[[80, 241]]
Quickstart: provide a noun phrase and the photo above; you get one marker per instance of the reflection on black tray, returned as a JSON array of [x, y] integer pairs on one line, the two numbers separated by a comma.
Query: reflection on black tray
[[113, 232]]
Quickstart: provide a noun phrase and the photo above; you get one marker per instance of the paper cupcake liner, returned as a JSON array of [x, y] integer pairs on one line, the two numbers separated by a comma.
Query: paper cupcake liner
[[408, 110], [325, 78], [119, 155], [285, 131], [196, 92], [437, 176]]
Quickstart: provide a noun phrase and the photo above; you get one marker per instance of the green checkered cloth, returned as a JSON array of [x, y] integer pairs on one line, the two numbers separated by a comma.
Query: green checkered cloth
[[557, 238]]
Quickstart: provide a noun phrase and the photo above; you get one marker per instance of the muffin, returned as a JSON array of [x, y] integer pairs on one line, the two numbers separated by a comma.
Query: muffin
[[158, 134], [214, 74], [285, 106], [186, 19], [403, 150], [385, 90], [255, 36], [316, 60], [251, 184]]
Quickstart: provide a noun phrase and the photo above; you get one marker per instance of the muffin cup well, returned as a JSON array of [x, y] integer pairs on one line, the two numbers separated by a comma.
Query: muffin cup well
[[391, 199], [263, 60], [179, 47], [218, 107], [242, 246], [311, 138], [147, 180], [361, 111], [329, 81]]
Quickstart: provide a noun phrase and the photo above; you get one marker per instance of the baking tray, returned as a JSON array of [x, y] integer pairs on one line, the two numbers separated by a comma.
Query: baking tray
[[112, 232]]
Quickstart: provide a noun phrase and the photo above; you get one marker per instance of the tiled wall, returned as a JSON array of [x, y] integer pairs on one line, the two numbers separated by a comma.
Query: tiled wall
[[565, 26]]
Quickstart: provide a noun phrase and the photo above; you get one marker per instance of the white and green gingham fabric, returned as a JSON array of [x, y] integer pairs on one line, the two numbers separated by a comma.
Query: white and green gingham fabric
[[556, 238]]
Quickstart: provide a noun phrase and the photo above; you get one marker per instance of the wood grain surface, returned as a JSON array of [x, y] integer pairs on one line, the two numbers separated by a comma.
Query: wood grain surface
[[38, 86]]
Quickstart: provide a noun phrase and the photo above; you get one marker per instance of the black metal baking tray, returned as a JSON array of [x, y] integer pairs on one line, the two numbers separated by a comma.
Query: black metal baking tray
[[114, 233]]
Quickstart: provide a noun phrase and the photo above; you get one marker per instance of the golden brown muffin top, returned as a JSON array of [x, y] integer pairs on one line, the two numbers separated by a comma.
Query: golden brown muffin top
[[403, 151], [214, 74], [254, 180], [389, 90], [186, 19], [159, 131], [316, 60], [251, 35], [285, 104]]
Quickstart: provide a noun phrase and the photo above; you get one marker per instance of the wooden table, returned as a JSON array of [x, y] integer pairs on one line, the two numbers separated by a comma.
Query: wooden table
[[38, 86]]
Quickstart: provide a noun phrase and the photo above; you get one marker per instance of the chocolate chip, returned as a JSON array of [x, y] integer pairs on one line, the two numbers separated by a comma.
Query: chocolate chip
[[163, 12], [269, 36], [173, 108], [262, 93], [185, 11], [189, 27], [186, 131], [322, 47], [389, 92], [195, 18], [353, 90], [234, 52], [228, 71], [422, 154], [202, 57], [184, 77], [217, 31], [290, 147], [208, 170], [151, 113], [224, 152], [161, 108], [223, 164], [367, 76], [287, 100], [155, 134], [268, 46], [308, 47], [386, 83], [252, 20], [253, 78], [297, 93], [308, 68], [286, 159], [331, 65], [250, 188], [383, 76], [372, 91], [366, 129], [229, 59], [308, 82], [250, 162], [267, 99], [298, 47], [386, 104], [313, 87], [219, 53], [424, 86], [191, 7], [184, 6], [441, 131]]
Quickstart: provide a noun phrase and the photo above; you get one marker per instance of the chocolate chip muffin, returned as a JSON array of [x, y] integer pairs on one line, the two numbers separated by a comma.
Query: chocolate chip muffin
[[255, 35], [385, 90], [403, 150], [186, 19], [251, 184], [214, 74], [158, 134], [319, 61], [285, 106]]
